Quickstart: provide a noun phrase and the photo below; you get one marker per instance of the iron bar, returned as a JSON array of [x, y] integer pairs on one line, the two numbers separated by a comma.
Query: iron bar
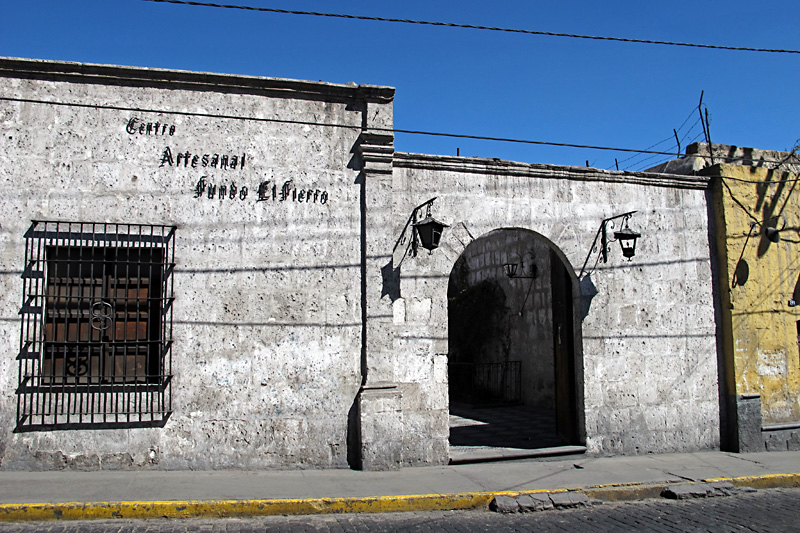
[[486, 383], [601, 234], [102, 293]]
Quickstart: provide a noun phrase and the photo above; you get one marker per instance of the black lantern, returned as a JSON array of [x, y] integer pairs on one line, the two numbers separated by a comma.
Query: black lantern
[[626, 237], [426, 233], [627, 240], [510, 269], [429, 230]]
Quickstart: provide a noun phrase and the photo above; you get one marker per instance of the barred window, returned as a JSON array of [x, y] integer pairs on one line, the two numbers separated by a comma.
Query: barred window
[[96, 326]]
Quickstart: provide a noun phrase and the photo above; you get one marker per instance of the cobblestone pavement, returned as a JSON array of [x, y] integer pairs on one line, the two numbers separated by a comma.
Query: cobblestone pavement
[[766, 510]]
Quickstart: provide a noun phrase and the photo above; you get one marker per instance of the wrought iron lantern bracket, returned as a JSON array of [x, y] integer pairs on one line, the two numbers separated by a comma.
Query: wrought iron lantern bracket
[[626, 237], [518, 270], [426, 232]]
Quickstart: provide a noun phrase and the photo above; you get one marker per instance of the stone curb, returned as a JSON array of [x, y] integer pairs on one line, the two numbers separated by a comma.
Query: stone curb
[[598, 494], [421, 502]]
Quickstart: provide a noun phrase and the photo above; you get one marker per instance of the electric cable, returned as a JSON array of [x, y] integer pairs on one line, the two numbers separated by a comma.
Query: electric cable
[[476, 27], [524, 141], [700, 134], [655, 164], [771, 182], [350, 126]]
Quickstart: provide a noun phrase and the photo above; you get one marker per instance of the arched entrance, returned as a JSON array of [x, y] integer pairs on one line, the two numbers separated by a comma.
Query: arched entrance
[[512, 362]]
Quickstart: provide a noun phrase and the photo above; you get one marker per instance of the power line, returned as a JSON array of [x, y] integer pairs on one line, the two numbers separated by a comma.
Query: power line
[[771, 182], [346, 126], [524, 141], [329, 124], [475, 27]]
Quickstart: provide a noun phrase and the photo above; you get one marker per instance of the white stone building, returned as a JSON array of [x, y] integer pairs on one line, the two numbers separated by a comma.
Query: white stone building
[[212, 271]]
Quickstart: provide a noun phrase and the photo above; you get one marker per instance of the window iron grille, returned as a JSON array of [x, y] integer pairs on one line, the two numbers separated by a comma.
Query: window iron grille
[[96, 336]]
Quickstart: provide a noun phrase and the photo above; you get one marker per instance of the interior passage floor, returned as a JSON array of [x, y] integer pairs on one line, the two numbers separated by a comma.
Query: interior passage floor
[[513, 426]]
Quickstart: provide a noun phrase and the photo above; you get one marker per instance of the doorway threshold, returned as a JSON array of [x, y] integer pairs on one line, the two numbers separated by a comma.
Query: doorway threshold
[[460, 455]]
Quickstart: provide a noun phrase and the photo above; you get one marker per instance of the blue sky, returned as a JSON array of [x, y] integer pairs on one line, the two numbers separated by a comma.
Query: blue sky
[[474, 82]]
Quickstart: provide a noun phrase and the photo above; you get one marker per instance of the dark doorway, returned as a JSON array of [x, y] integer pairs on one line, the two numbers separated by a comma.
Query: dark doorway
[[511, 365], [566, 406]]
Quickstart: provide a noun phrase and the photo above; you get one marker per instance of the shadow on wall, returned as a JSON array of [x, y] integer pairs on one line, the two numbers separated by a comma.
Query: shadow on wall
[[588, 292], [476, 316], [391, 281], [771, 211], [741, 274]]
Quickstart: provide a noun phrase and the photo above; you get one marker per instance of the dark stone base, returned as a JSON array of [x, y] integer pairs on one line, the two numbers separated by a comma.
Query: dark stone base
[[781, 440], [748, 421], [753, 436]]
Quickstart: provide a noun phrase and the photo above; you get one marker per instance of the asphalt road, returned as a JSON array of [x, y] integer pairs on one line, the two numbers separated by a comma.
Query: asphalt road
[[773, 510]]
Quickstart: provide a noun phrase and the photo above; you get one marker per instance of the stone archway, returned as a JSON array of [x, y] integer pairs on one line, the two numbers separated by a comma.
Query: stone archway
[[513, 353]]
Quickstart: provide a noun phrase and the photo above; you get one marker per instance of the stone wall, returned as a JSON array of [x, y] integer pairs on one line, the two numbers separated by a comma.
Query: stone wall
[[305, 333], [644, 330], [268, 310]]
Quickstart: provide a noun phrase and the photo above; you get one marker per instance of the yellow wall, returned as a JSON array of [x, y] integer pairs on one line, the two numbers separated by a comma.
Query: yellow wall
[[760, 278]]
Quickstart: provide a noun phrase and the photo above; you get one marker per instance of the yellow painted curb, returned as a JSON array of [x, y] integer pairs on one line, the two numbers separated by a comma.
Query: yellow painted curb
[[766, 481], [229, 508], [416, 502]]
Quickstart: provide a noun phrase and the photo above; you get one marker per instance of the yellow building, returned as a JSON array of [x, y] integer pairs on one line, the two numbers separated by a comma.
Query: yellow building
[[756, 211], [755, 232]]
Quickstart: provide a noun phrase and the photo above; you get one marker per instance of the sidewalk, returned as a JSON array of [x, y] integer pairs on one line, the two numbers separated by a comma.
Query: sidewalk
[[141, 494]]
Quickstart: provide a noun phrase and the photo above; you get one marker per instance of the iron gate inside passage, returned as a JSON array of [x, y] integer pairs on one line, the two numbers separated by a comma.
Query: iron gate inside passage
[[482, 384], [97, 326]]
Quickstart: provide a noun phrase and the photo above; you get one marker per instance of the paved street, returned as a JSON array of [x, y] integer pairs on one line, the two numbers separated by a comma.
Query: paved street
[[772, 510]]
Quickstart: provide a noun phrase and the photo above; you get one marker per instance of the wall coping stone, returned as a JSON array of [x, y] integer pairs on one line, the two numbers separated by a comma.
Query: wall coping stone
[[203, 81], [477, 165]]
